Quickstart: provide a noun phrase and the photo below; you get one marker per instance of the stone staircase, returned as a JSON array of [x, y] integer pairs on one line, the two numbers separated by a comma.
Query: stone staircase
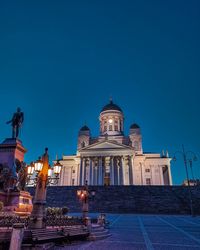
[[128, 199], [98, 232]]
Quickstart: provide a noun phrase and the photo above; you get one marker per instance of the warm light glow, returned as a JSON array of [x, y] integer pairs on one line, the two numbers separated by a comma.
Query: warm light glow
[[30, 169], [38, 165], [78, 192], [57, 167], [50, 172], [110, 121]]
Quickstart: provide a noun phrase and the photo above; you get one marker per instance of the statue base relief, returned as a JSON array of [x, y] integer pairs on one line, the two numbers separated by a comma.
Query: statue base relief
[[15, 199], [16, 202]]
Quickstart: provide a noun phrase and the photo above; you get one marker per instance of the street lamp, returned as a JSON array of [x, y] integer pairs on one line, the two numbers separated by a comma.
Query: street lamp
[[36, 167], [84, 195], [186, 160], [42, 180]]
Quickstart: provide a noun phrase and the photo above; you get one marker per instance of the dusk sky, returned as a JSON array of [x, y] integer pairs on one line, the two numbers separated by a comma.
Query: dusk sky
[[60, 61]]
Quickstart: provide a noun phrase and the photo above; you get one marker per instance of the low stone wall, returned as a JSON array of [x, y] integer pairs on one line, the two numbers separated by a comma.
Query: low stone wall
[[128, 199]]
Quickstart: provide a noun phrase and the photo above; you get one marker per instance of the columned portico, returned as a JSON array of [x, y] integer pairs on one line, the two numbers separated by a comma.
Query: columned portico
[[106, 170]]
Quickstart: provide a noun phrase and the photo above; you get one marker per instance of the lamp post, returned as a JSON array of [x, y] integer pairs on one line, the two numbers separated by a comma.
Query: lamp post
[[43, 179], [84, 195], [186, 160]]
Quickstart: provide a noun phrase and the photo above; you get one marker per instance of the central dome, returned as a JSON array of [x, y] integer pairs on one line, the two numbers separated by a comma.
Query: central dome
[[111, 106], [111, 120]]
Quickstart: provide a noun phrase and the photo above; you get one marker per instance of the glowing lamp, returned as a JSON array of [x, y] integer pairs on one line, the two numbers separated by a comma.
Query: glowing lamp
[[110, 121], [30, 169], [78, 192], [49, 172], [38, 165], [57, 168]]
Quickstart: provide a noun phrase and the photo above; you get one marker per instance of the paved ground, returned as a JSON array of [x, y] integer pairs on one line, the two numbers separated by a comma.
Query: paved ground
[[147, 232]]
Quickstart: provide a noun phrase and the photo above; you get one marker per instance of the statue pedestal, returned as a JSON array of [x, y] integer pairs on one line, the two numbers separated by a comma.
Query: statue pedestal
[[11, 149], [19, 203]]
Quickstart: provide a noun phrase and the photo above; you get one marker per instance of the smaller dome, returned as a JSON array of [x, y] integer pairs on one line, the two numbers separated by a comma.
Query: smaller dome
[[134, 125], [84, 128]]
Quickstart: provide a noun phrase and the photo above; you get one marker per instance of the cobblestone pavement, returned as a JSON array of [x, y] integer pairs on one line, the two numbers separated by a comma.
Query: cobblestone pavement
[[147, 232]]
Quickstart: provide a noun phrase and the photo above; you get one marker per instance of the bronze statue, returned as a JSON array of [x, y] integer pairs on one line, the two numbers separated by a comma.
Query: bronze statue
[[13, 179], [16, 122]]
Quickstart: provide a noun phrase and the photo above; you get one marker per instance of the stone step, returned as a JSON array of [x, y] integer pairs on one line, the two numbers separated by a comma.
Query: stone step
[[99, 237]]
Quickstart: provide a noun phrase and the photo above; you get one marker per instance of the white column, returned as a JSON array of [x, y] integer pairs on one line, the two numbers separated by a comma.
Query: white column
[[142, 173], [118, 171], [83, 172], [126, 169], [170, 175], [121, 171], [161, 175], [100, 171], [87, 169], [95, 171], [130, 170], [92, 171]]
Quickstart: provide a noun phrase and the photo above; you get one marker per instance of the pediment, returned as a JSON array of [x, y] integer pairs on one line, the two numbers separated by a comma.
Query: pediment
[[105, 145]]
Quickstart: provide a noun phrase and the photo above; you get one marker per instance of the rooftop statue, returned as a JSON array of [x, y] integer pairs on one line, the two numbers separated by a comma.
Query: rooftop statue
[[16, 122]]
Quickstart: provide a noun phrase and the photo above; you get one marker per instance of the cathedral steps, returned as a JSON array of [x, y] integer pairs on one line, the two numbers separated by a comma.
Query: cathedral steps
[[128, 199]]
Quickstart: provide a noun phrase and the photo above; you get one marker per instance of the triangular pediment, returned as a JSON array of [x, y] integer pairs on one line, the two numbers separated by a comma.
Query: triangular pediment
[[105, 145]]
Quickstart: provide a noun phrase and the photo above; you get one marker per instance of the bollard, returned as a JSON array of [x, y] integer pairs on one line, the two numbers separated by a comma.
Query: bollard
[[17, 236], [88, 223]]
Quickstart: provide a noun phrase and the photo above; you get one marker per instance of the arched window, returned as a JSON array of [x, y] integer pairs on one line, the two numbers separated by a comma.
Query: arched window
[[83, 144]]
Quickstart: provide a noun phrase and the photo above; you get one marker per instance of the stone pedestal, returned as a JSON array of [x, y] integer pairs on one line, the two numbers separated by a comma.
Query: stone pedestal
[[11, 149], [19, 203]]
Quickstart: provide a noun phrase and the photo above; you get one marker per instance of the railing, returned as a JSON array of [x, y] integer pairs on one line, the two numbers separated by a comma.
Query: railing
[[7, 221], [63, 221]]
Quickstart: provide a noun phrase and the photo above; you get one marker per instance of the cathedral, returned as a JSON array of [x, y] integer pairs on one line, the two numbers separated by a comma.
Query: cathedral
[[113, 158]]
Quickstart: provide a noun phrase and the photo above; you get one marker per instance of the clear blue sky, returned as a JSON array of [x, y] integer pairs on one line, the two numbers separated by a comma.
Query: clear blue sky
[[61, 60]]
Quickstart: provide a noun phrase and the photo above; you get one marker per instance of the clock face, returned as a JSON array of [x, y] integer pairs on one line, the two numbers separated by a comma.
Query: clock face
[[110, 121]]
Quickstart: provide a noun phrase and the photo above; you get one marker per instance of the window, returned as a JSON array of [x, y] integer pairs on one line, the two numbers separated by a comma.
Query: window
[[110, 127], [116, 128], [105, 128], [147, 170], [73, 171], [148, 181], [83, 144], [73, 181]]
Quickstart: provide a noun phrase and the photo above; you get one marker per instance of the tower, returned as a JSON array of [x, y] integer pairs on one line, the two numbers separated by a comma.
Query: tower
[[135, 138], [83, 137]]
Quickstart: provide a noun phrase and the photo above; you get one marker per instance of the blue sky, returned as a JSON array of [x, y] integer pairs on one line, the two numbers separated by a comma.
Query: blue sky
[[60, 61]]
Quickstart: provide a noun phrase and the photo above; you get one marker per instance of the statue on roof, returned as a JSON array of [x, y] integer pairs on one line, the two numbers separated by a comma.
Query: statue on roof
[[16, 122]]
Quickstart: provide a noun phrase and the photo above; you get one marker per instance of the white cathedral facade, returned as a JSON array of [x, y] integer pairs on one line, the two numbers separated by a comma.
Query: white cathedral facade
[[113, 158]]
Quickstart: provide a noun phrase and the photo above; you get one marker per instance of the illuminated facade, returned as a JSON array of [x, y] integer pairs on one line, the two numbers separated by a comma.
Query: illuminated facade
[[113, 158]]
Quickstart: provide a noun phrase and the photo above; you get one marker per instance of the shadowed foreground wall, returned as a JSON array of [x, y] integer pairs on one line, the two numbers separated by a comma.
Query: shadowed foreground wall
[[128, 199]]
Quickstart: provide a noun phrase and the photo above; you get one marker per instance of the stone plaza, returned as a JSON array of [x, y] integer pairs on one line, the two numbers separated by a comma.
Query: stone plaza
[[142, 232]]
